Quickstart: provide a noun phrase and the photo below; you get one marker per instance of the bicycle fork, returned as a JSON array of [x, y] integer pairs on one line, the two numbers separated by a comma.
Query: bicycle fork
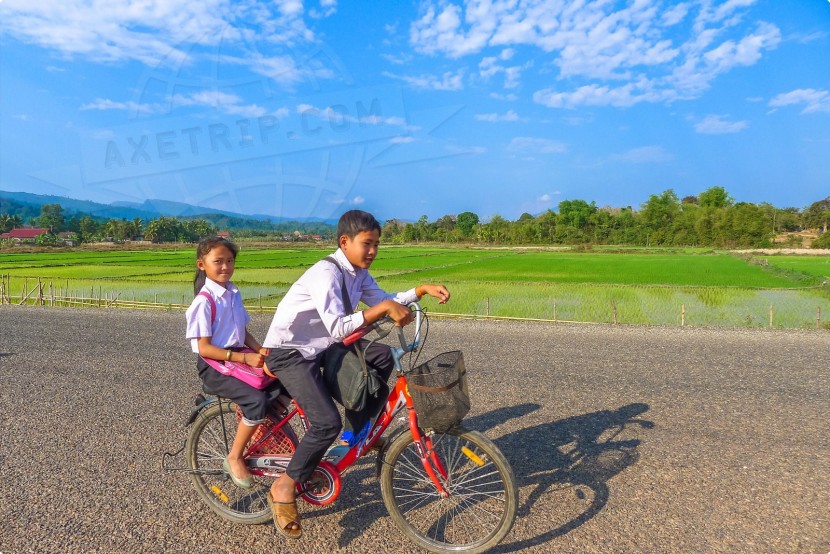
[[426, 451]]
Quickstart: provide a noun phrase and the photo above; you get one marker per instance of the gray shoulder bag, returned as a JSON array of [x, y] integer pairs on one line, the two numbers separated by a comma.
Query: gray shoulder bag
[[345, 373]]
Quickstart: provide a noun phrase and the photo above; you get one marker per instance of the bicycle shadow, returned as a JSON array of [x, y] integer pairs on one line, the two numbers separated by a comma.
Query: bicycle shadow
[[366, 496], [576, 453]]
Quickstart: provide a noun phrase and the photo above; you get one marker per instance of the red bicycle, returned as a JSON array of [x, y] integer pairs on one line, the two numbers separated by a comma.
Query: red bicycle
[[447, 488]]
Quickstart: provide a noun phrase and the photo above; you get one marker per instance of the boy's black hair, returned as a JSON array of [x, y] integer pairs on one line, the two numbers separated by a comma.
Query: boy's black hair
[[355, 221]]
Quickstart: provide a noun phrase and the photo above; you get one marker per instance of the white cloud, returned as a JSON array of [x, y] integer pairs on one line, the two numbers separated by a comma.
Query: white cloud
[[745, 52], [606, 53], [135, 107], [358, 200], [548, 197], [528, 145], [223, 101], [489, 66], [717, 125], [397, 58], [814, 101], [170, 32], [596, 95], [216, 99], [439, 31], [510, 115], [510, 97], [644, 154], [675, 14], [401, 140], [448, 81]]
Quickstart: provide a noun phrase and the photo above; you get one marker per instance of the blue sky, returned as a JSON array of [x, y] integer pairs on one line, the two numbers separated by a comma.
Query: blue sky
[[299, 109]]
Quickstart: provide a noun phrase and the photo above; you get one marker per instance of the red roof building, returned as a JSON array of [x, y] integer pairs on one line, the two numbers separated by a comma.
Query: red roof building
[[25, 233]]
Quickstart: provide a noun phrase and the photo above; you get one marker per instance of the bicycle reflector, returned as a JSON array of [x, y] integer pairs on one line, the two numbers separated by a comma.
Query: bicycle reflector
[[219, 494], [472, 455]]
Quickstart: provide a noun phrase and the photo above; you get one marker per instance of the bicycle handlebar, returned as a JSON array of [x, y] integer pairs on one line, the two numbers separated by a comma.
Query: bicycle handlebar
[[363, 331]]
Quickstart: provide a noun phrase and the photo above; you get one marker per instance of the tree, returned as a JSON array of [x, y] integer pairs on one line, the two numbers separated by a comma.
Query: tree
[[199, 229], [447, 223], [466, 223], [658, 215], [163, 229], [817, 215], [87, 229], [497, 228], [51, 217], [46, 239], [5, 223], [136, 228], [576, 213], [715, 197], [391, 231], [823, 241]]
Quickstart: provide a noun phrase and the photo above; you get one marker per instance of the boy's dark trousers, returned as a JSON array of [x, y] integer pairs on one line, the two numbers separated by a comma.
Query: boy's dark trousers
[[303, 380]]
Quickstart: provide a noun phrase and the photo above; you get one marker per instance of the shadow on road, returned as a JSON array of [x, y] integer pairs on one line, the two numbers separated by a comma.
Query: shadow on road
[[580, 453]]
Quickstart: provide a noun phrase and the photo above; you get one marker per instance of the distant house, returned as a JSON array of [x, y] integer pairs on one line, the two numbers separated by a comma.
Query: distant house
[[68, 238], [25, 235], [224, 235]]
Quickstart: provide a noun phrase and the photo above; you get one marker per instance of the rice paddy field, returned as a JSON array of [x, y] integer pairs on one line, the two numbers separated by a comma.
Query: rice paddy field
[[658, 287]]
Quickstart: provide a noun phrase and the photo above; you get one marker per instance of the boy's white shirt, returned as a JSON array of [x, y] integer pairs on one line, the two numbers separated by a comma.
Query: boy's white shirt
[[231, 317], [311, 316]]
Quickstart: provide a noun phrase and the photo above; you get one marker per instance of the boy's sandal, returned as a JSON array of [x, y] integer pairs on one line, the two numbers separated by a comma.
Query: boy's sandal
[[285, 514]]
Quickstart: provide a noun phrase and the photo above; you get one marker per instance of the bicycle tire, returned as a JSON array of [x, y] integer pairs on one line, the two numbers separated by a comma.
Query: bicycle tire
[[205, 449], [481, 507]]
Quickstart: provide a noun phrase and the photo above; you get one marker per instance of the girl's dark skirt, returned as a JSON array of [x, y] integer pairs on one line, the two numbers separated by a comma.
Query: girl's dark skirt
[[254, 403]]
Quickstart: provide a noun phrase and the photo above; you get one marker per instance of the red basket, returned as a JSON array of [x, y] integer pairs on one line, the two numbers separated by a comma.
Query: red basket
[[278, 443]]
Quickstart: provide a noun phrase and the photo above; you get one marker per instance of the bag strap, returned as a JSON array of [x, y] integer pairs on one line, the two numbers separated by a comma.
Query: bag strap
[[347, 305], [344, 294], [212, 305]]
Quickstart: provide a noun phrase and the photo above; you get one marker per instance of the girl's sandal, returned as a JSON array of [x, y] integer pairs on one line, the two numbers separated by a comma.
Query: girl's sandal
[[285, 514]]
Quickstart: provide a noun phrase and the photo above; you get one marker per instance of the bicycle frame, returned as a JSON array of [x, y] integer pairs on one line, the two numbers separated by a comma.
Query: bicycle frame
[[399, 399]]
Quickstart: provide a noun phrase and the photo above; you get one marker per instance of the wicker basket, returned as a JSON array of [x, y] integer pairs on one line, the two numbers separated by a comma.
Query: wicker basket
[[439, 391]]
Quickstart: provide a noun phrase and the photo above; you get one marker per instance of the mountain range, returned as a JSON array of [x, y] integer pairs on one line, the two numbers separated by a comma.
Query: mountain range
[[11, 202]]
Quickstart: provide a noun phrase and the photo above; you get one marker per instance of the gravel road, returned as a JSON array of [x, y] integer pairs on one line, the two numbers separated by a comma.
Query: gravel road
[[623, 439]]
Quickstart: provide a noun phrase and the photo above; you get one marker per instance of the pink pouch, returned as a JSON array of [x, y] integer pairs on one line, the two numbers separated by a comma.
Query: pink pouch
[[254, 376]]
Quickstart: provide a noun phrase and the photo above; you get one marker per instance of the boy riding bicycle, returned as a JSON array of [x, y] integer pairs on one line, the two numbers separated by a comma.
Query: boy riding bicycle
[[312, 319]]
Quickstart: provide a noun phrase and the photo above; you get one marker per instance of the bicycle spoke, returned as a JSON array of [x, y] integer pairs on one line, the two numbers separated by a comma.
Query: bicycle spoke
[[481, 502]]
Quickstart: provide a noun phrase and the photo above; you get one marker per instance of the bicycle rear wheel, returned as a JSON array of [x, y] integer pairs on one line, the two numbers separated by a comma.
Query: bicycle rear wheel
[[207, 446], [482, 501]]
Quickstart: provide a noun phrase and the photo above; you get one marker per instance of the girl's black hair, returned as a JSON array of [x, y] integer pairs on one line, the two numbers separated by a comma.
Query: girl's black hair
[[202, 250], [355, 221]]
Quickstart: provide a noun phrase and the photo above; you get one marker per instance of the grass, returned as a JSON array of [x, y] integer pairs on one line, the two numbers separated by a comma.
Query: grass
[[649, 286], [818, 266]]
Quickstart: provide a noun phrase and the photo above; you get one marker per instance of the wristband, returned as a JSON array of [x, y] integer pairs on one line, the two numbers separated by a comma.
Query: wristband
[[227, 355]]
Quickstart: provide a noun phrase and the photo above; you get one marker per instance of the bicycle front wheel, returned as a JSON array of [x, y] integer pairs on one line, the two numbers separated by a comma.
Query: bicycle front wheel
[[207, 446], [482, 501]]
